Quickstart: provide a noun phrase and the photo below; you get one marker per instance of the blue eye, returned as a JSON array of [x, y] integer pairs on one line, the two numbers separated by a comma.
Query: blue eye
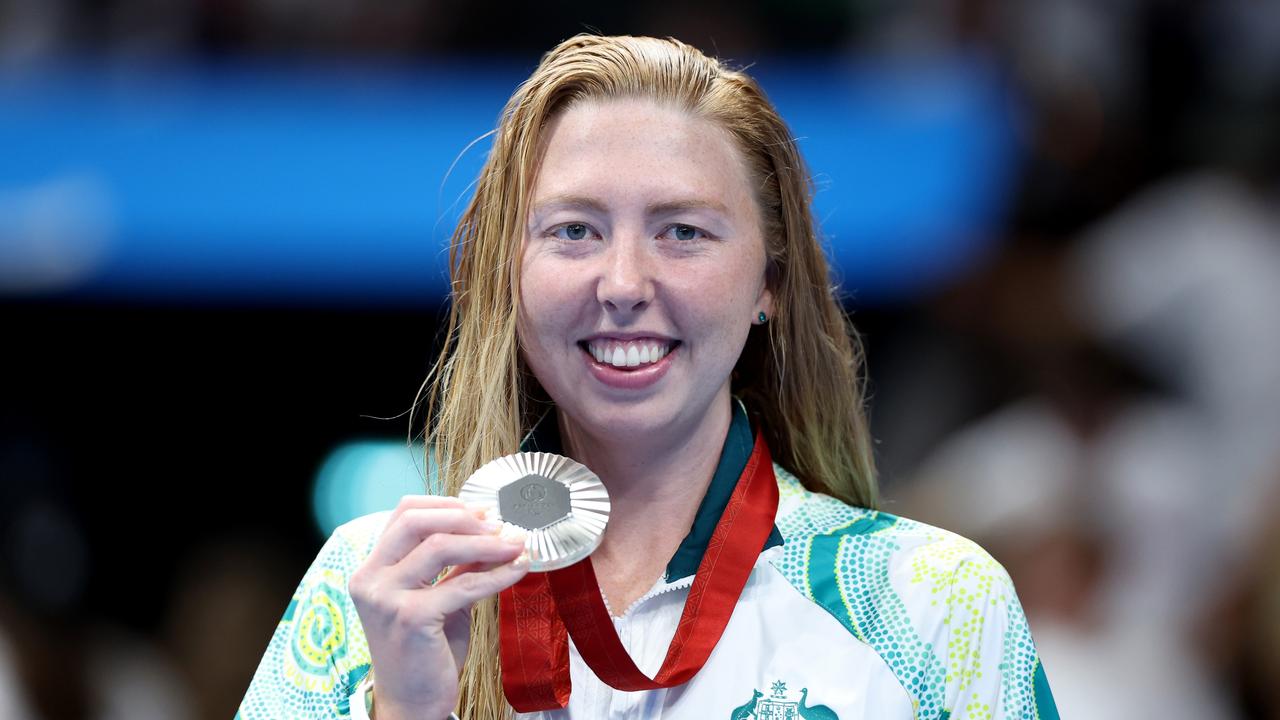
[[684, 233], [572, 231]]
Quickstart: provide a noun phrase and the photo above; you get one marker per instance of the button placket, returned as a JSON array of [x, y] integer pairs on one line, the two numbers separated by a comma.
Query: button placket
[[619, 702]]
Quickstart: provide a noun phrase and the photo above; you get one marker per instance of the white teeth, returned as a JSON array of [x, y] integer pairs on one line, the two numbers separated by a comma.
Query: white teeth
[[626, 353]]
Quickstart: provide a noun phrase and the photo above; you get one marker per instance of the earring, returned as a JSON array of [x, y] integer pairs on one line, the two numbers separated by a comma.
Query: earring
[[762, 318]]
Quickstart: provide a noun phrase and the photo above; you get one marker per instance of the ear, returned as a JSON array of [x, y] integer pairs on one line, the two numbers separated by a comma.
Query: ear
[[765, 302]]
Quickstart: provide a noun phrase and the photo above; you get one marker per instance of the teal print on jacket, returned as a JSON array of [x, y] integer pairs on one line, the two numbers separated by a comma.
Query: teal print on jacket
[[778, 706], [940, 612]]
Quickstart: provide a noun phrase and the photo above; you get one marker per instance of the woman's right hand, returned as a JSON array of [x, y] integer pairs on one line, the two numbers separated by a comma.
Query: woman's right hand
[[418, 629]]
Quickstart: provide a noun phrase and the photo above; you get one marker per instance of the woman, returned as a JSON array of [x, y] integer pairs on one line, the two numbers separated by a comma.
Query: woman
[[638, 285]]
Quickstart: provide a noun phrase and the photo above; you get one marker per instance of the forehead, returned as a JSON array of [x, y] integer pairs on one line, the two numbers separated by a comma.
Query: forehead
[[636, 149]]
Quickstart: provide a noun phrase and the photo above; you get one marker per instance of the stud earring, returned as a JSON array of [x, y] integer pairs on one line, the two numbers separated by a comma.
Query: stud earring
[[762, 318]]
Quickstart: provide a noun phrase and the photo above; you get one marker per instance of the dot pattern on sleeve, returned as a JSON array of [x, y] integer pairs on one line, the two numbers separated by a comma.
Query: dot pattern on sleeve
[[937, 609], [318, 652]]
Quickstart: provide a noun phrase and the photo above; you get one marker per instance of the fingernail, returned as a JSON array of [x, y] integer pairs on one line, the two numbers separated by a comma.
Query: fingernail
[[521, 562], [492, 526], [516, 536]]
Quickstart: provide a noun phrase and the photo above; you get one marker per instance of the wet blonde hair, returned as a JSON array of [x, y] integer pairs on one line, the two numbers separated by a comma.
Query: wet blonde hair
[[799, 373]]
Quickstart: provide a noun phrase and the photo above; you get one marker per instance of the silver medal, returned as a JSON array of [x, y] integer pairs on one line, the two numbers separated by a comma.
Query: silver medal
[[561, 505]]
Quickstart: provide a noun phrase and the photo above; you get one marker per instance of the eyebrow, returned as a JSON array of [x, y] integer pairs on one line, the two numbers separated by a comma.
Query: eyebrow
[[582, 202]]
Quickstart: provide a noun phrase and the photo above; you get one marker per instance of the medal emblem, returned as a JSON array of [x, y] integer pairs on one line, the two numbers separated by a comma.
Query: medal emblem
[[561, 505]]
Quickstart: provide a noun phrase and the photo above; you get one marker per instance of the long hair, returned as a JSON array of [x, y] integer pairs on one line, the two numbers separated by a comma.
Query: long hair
[[799, 373]]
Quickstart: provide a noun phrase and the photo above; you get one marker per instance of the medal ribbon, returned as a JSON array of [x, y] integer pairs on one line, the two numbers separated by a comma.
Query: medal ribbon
[[539, 613]]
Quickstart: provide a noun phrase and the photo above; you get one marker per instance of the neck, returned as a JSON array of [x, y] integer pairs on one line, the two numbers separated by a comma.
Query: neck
[[655, 486]]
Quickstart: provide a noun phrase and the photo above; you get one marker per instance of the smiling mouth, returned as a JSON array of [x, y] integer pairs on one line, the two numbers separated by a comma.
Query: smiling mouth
[[628, 354]]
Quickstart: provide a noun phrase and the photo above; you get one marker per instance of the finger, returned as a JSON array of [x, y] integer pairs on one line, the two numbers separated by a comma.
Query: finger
[[423, 502], [427, 502], [423, 565], [461, 591], [466, 568], [415, 525]]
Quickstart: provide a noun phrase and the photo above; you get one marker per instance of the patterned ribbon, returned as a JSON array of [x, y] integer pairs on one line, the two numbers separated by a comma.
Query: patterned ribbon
[[539, 613]]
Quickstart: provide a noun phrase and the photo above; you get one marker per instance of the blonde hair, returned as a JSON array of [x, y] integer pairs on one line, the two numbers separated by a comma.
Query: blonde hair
[[799, 373]]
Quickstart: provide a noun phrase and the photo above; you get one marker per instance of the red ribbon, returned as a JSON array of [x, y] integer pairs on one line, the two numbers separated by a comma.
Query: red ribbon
[[539, 613]]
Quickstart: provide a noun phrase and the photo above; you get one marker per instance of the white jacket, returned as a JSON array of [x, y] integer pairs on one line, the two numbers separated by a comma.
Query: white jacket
[[848, 614]]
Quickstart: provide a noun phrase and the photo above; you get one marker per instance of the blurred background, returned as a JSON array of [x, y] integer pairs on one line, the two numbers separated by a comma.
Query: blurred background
[[222, 269]]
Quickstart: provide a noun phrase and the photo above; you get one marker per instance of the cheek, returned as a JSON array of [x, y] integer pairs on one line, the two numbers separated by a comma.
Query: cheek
[[719, 309], [547, 308], [730, 293], [531, 319]]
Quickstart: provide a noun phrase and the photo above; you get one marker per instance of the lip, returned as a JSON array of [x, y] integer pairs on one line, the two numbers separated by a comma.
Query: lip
[[626, 336], [639, 379]]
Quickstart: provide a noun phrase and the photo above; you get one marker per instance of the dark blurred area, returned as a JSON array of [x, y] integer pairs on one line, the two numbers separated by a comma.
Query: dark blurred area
[[1092, 392]]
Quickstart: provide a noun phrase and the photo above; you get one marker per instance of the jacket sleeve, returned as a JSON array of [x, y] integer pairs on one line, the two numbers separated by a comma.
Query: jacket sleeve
[[318, 653], [993, 668]]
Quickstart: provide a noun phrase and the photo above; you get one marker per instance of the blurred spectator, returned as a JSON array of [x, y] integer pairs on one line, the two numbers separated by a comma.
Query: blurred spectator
[[1090, 490], [1241, 631], [228, 597], [1128, 336], [76, 670], [1185, 280], [58, 661]]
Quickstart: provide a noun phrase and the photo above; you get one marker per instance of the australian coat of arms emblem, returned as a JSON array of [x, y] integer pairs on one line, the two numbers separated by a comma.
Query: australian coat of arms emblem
[[779, 705]]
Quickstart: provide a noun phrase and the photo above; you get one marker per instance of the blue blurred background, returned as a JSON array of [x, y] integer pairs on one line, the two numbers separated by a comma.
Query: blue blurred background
[[223, 232], [339, 182]]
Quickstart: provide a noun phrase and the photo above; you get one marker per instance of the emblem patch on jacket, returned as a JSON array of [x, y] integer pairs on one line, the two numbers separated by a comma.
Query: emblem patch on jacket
[[779, 705]]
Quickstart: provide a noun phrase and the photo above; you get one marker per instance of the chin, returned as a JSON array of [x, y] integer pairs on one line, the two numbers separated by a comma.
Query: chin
[[608, 421]]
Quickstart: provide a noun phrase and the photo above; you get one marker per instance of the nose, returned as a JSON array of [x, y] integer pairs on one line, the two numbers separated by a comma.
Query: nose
[[626, 280]]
